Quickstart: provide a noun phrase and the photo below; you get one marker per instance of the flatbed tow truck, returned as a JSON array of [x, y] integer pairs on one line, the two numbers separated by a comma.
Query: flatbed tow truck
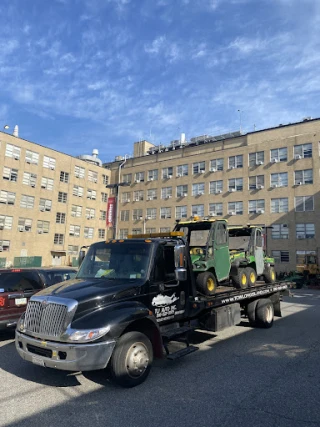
[[129, 300]]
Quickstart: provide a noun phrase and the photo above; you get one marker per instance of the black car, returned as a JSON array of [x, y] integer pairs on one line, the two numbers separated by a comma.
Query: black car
[[17, 285]]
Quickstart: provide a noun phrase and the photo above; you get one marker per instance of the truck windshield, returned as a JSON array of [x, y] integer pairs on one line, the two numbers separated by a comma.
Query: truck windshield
[[117, 260]]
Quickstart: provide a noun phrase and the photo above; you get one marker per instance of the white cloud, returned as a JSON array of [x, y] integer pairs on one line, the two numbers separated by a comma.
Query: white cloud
[[156, 46]]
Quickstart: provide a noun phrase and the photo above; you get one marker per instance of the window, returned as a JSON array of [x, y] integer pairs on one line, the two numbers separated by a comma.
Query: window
[[91, 194], [5, 245], [29, 179], [60, 218], [7, 198], [280, 231], [136, 231], [165, 229], [181, 212], [90, 213], [221, 236], [198, 189], [279, 205], [216, 165], [76, 211], [79, 172], [256, 182], [27, 202], [182, 190], [124, 215], [279, 179], [236, 162], [105, 179], [151, 230], [58, 239], [43, 227], [92, 176], [62, 197], [280, 256], [165, 213], [101, 233], [126, 197], [49, 162], [304, 203], [88, 232], [235, 184], [167, 173], [32, 157], [215, 209], [123, 233], [137, 214], [153, 175], [256, 159], [24, 224], [197, 210], [13, 151], [74, 230], [302, 151], [10, 174], [46, 183], [199, 167], [235, 208], [151, 213], [139, 177], [256, 206], [45, 205], [138, 195], [182, 170], [77, 191], [6, 222], [216, 187], [73, 250], [103, 215], [305, 231], [301, 256], [152, 194], [64, 177], [303, 177], [166, 193], [279, 155], [127, 178]]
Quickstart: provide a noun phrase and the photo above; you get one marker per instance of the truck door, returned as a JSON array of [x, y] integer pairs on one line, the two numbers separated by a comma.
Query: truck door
[[258, 251], [167, 296], [221, 251]]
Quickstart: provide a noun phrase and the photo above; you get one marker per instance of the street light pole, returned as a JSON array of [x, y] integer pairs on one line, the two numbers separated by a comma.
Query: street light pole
[[240, 113]]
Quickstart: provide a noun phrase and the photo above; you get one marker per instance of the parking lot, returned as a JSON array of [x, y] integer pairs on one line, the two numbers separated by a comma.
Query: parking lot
[[240, 377]]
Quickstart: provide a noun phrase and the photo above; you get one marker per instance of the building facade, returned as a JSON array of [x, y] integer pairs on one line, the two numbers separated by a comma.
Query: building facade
[[51, 203], [268, 178]]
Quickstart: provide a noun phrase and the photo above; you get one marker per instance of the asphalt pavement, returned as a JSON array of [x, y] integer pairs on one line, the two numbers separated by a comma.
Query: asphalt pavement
[[240, 377]]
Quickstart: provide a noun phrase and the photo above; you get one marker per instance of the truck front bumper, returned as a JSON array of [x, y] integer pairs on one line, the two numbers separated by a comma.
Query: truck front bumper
[[67, 357]]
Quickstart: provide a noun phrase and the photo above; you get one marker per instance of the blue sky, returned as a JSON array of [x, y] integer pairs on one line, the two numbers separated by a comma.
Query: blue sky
[[77, 75]]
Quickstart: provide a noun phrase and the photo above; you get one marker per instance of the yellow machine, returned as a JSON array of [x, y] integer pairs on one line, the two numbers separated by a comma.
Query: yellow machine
[[310, 268]]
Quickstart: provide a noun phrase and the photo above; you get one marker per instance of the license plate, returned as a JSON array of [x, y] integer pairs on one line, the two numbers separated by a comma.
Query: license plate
[[20, 301], [38, 361]]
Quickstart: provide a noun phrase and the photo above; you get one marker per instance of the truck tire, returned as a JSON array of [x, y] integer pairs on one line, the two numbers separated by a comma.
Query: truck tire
[[264, 313], [131, 360], [269, 275], [206, 283], [252, 276], [240, 279], [251, 312]]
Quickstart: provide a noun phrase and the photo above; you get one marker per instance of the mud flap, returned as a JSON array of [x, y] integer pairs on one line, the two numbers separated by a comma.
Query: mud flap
[[275, 299]]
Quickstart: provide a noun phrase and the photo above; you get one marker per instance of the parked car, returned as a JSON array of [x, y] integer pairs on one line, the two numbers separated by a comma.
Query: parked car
[[17, 285]]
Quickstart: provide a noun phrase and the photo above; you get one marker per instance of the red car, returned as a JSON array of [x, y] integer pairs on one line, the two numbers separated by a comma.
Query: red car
[[17, 285]]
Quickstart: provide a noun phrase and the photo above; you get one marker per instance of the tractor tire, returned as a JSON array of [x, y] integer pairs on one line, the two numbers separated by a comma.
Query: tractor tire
[[240, 279], [131, 360], [269, 275], [206, 283], [264, 313], [252, 276], [251, 312]]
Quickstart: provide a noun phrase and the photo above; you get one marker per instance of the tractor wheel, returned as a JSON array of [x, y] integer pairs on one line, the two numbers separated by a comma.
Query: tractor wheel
[[206, 283], [252, 276], [269, 275], [240, 279]]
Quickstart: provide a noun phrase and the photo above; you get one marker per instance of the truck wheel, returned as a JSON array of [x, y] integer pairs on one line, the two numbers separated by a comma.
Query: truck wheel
[[206, 283], [264, 313], [240, 280], [131, 359], [269, 275], [251, 312], [251, 275]]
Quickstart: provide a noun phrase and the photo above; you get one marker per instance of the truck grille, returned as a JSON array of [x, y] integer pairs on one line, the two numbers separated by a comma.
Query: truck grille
[[46, 319]]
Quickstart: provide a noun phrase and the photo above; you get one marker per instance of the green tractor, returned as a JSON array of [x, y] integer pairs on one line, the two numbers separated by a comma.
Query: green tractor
[[223, 255]]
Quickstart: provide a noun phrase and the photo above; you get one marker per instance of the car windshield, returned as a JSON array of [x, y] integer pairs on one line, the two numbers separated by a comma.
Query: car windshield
[[120, 260]]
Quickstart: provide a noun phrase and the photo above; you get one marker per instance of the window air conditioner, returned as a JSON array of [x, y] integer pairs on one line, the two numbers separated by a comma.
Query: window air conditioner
[[299, 183], [300, 237], [274, 160], [298, 157], [21, 228], [200, 193], [212, 214], [232, 213], [202, 171], [16, 157], [40, 231], [148, 217], [260, 211], [232, 190], [260, 187], [218, 192], [73, 214], [274, 185], [128, 200], [168, 197], [140, 217], [213, 170], [42, 209], [169, 176], [259, 163], [137, 181], [51, 167], [179, 175], [185, 194], [1, 226], [232, 167]]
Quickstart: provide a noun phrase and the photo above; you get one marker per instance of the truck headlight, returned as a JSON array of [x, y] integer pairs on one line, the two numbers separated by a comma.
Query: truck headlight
[[20, 323], [85, 335]]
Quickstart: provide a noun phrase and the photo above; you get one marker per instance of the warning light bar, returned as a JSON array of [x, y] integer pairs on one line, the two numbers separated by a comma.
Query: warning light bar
[[155, 235]]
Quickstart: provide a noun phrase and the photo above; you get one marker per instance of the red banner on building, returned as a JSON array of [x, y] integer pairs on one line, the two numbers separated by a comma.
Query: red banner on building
[[111, 211]]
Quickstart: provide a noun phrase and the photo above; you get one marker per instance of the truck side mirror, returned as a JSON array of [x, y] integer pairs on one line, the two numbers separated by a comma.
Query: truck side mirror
[[81, 256], [180, 263]]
